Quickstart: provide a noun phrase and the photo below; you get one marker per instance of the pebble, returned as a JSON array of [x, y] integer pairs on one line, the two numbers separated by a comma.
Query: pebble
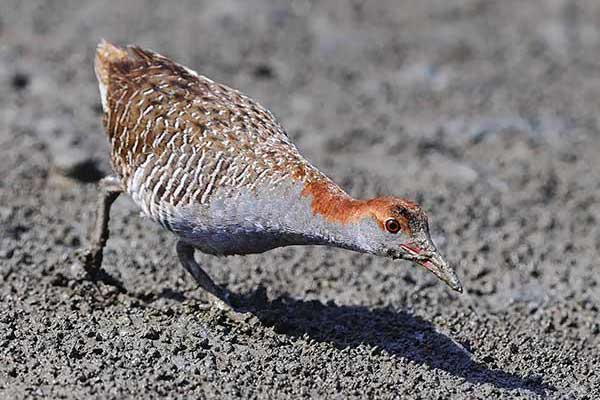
[[20, 81]]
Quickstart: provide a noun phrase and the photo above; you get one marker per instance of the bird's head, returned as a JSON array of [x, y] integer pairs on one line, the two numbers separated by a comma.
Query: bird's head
[[385, 226], [402, 232]]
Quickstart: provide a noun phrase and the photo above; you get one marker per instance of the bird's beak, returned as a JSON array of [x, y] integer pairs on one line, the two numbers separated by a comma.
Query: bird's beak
[[429, 257]]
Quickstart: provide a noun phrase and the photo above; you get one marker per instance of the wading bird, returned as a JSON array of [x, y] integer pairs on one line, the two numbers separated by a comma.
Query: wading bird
[[215, 168]]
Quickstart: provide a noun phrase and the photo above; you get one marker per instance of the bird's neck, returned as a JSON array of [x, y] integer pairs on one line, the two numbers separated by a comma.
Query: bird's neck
[[330, 202], [270, 217], [337, 218], [318, 213]]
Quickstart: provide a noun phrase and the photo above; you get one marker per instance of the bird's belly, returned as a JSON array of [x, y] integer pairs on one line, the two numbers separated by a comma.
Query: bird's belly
[[236, 221], [237, 241]]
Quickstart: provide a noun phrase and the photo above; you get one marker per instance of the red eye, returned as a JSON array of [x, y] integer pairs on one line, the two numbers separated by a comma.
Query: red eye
[[392, 226]]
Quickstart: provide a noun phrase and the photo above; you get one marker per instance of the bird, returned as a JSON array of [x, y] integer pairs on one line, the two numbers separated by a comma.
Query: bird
[[217, 169]]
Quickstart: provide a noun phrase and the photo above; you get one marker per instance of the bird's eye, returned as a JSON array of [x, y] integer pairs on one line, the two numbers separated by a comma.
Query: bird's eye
[[392, 226]]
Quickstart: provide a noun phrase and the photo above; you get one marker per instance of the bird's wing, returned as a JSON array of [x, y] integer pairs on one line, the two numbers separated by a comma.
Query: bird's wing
[[157, 108]]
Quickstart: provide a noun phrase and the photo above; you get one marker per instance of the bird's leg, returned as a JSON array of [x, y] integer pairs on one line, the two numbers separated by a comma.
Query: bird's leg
[[185, 252], [91, 257]]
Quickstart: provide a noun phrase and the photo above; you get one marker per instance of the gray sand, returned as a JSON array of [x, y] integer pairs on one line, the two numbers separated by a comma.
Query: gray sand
[[486, 112]]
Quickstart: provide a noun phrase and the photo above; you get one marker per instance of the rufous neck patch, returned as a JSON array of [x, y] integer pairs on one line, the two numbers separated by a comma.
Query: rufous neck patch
[[332, 203], [335, 205]]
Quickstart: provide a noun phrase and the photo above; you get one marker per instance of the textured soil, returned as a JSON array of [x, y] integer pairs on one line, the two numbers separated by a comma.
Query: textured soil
[[484, 111]]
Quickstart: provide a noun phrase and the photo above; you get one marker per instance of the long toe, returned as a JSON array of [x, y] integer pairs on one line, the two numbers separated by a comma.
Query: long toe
[[223, 300]]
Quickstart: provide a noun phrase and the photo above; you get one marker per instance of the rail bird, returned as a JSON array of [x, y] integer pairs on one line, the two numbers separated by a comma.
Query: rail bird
[[214, 167]]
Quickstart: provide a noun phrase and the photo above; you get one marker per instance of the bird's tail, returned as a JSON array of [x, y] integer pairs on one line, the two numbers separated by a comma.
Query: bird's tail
[[106, 55]]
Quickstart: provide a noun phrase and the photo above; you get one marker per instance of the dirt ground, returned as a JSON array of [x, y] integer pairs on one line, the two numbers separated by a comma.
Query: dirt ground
[[487, 112]]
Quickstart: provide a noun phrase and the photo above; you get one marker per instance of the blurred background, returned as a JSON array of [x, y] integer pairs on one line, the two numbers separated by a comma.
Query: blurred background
[[486, 112]]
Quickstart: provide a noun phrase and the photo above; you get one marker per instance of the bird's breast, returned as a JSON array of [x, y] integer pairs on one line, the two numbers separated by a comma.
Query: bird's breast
[[240, 221]]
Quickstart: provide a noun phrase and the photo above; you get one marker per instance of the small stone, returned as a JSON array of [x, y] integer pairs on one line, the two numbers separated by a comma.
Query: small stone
[[59, 280], [151, 334], [263, 71], [205, 344], [20, 81], [548, 327]]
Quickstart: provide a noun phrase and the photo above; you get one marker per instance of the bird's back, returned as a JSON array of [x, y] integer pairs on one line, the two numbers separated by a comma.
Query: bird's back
[[177, 137]]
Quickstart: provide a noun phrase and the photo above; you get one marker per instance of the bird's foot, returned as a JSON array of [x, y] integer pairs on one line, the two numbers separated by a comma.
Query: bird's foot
[[223, 300], [91, 260]]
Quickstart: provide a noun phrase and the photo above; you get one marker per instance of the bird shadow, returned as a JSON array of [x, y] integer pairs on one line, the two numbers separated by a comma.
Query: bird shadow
[[396, 332]]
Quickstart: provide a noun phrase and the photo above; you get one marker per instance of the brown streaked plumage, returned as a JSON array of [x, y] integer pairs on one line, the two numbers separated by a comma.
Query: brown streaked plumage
[[216, 168], [157, 107]]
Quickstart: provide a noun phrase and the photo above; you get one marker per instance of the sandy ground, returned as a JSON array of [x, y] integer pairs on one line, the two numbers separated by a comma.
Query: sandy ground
[[484, 111]]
